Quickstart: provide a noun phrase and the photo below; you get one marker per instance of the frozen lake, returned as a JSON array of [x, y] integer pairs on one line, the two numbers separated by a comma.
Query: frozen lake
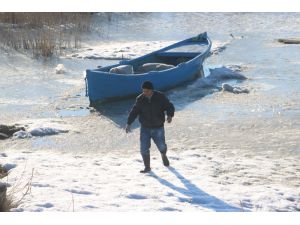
[[230, 152]]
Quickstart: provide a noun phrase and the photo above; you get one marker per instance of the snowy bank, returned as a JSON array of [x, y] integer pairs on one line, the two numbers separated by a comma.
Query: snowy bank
[[130, 50], [112, 182]]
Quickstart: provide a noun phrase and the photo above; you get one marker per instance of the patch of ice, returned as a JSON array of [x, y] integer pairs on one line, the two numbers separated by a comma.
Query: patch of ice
[[43, 127], [215, 76], [237, 68], [236, 37], [22, 134], [130, 50], [75, 82], [218, 47], [119, 51], [21, 101], [43, 131], [225, 73]]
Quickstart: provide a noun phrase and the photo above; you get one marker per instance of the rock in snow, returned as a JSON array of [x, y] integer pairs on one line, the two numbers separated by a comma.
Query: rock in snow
[[7, 131], [289, 40], [225, 73], [43, 131], [60, 69], [235, 90], [3, 136]]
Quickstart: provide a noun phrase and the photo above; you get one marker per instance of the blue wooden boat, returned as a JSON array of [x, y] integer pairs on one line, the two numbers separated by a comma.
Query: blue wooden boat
[[186, 58]]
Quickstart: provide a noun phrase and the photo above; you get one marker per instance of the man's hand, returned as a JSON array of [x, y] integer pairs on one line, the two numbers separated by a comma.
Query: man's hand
[[128, 128], [169, 119]]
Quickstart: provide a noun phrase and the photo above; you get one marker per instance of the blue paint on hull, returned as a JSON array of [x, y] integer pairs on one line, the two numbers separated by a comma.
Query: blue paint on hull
[[104, 86]]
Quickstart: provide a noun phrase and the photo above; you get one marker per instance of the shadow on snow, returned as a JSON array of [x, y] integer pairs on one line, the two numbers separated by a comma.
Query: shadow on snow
[[194, 195]]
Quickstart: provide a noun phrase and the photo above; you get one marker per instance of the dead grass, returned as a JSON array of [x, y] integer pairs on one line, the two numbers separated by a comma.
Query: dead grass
[[7, 203], [43, 34], [9, 200], [3, 172]]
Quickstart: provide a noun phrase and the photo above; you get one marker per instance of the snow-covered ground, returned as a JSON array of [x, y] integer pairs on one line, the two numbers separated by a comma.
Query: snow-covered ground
[[219, 162], [228, 152], [208, 172]]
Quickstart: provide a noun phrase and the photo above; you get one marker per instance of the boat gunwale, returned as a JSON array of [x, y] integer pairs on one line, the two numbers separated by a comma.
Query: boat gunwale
[[124, 62]]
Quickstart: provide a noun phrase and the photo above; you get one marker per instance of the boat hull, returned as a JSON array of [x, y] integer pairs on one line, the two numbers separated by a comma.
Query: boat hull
[[102, 86]]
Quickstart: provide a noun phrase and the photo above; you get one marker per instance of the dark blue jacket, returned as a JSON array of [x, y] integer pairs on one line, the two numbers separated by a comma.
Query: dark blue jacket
[[151, 112]]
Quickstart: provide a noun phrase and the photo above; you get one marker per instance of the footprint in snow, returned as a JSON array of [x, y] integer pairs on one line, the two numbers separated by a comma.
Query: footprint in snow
[[90, 207], [195, 155], [174, 158], [40, 185], [136, 196], [46, 205], [169, 194], [79, 192], [169, 209], [9, 166]]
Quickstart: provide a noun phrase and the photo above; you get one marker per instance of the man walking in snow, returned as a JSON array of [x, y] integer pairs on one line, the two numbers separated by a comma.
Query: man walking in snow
[[151, 106]]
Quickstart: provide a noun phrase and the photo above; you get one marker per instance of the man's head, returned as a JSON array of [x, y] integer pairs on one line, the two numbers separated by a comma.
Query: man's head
[[147, 87]]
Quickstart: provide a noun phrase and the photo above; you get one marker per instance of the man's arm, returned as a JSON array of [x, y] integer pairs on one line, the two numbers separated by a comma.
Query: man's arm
[[134, 112], [168, 107]]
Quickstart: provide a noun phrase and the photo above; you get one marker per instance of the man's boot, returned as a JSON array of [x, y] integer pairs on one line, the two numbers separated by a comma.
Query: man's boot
[[165, 158], [146, 159]]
